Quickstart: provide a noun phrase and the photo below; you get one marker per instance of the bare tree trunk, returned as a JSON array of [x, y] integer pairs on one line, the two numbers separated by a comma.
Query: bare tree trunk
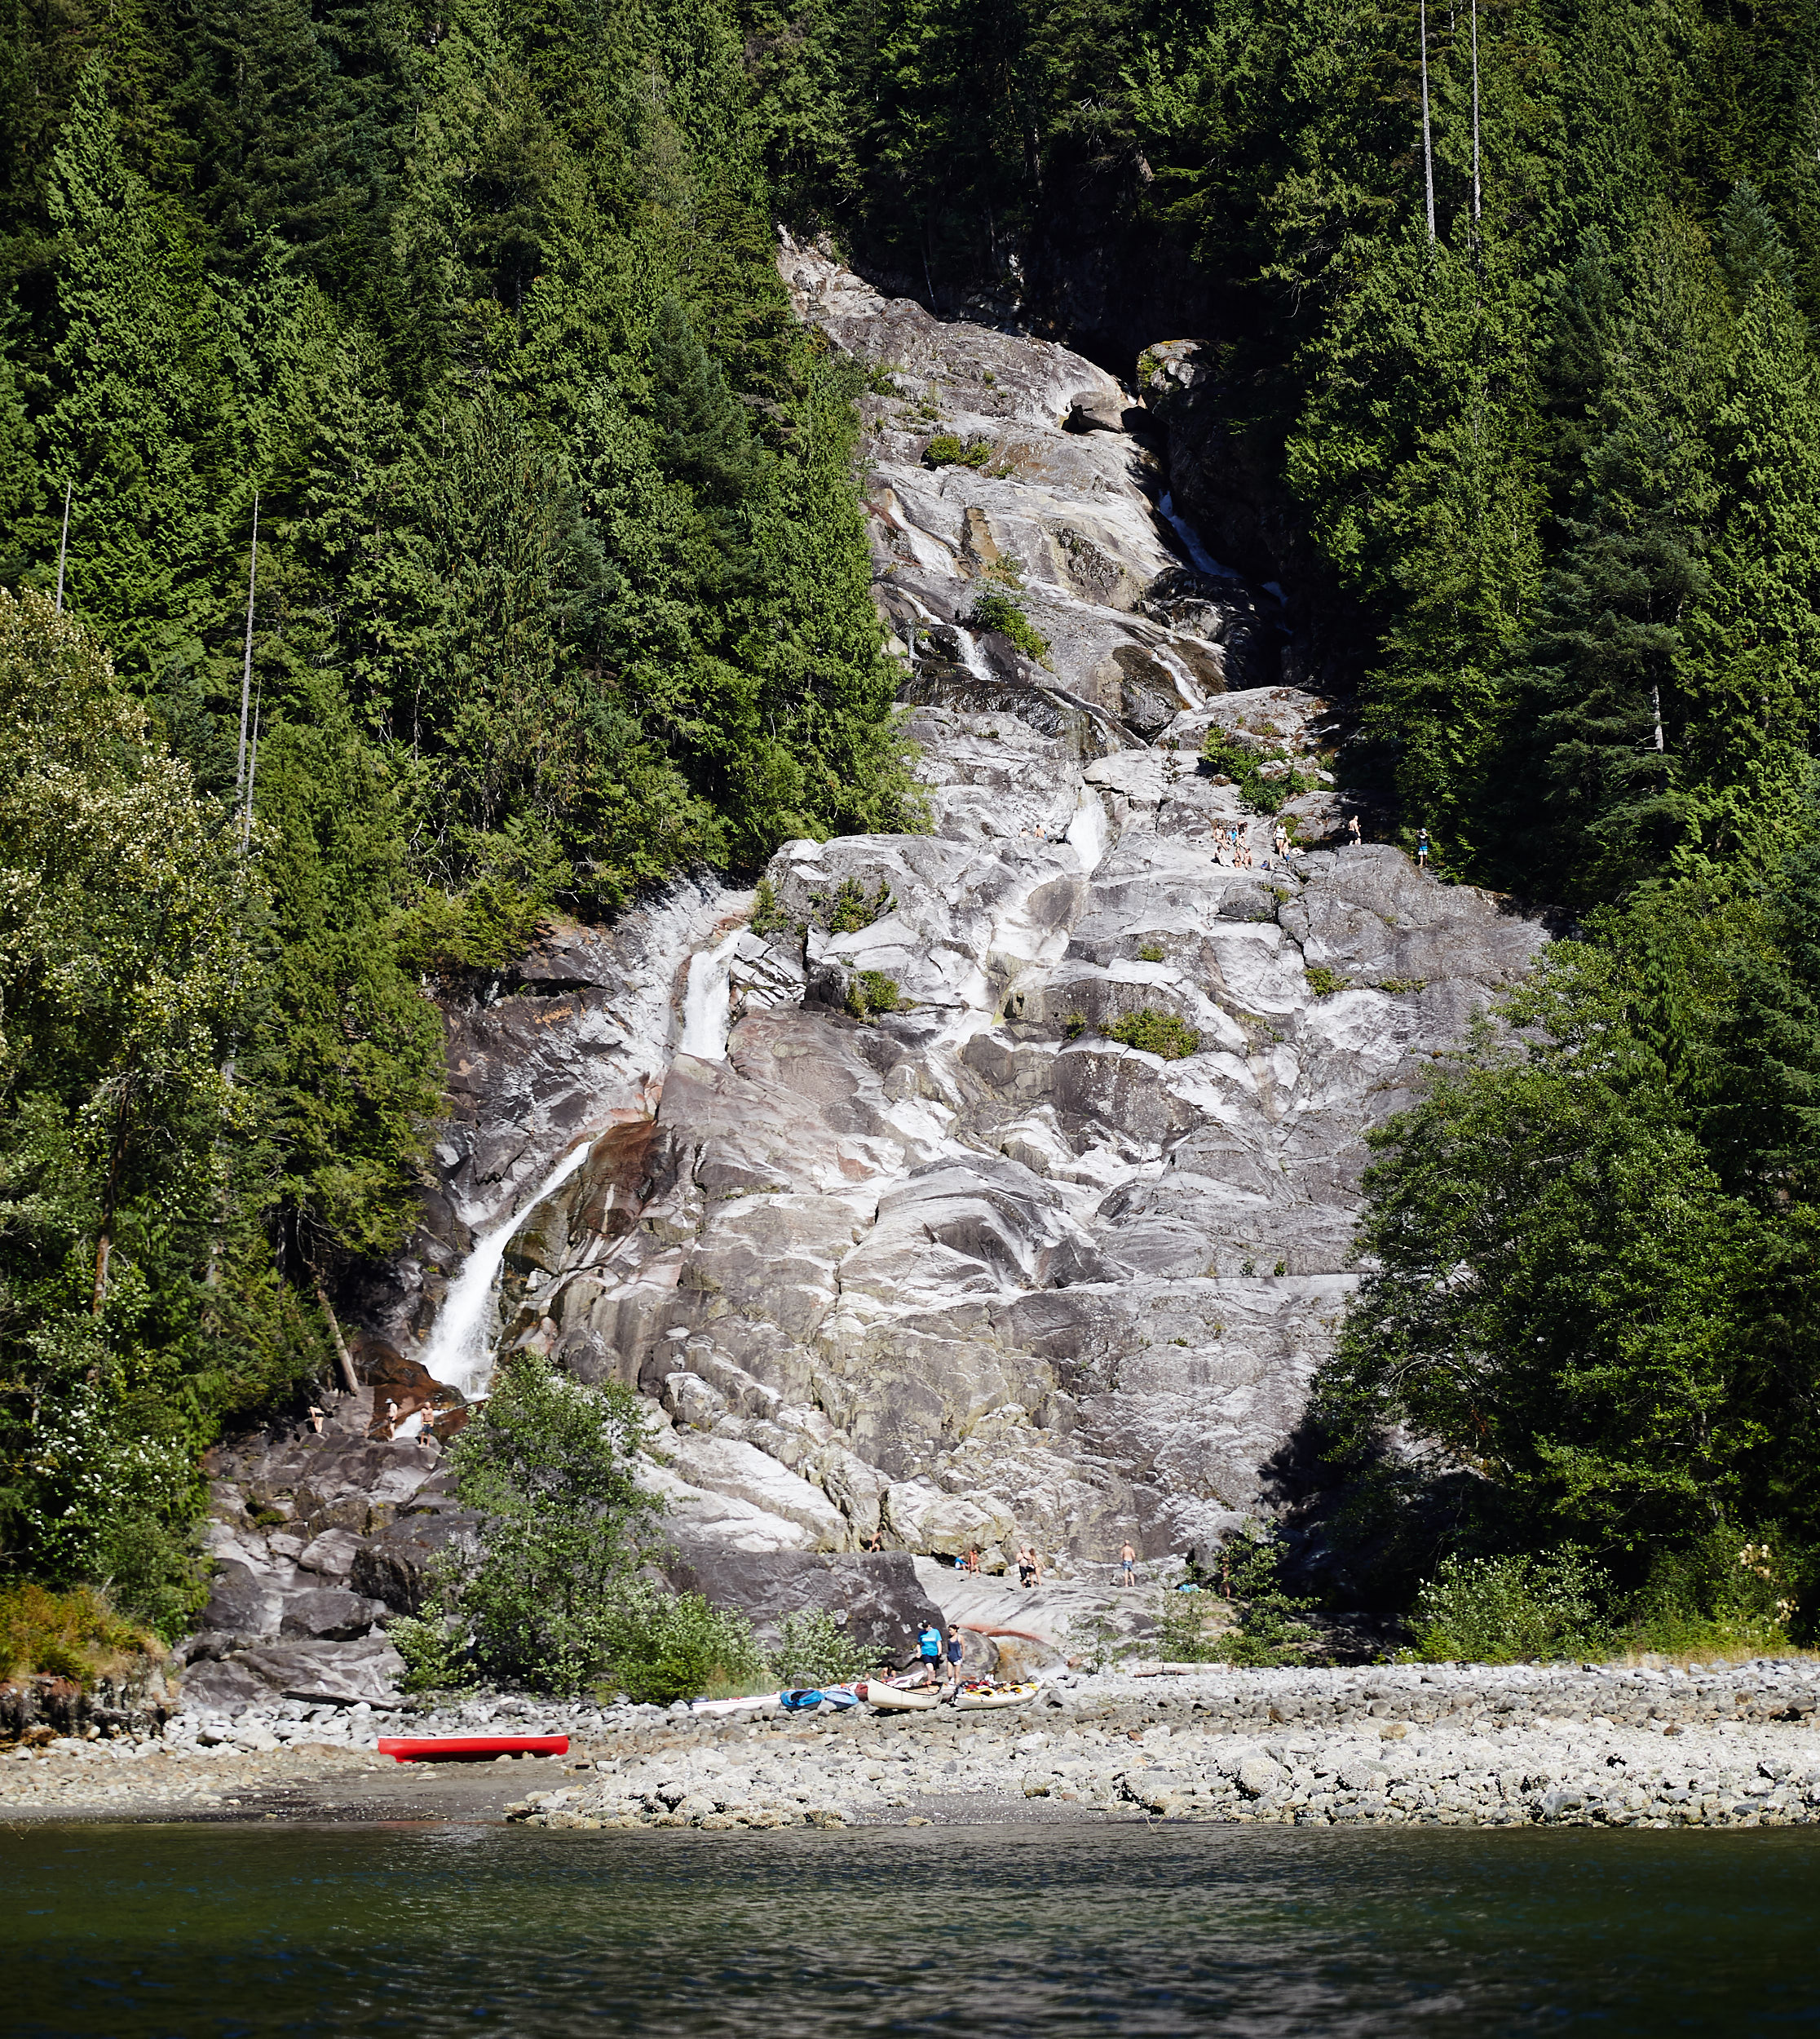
[[246, 664], [1428, 139], [1475, 191], [348, 1380], [63, 545], [110, 1199]]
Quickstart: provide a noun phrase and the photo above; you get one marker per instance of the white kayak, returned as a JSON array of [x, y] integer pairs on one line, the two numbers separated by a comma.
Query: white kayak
[[899, 1699], [979, 1702], [759, 1703]]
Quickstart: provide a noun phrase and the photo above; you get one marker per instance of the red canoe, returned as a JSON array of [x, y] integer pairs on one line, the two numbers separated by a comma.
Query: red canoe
[[472, 1748]]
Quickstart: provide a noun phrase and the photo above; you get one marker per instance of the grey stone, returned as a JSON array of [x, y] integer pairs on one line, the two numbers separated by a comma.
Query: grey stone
[[329, 1614], [877, 1594]]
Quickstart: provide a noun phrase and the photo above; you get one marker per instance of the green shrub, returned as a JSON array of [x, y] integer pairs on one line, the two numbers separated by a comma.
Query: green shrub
[[1163, 1034], [870, 992], [1074, 1026], [547, 1465], [768, 917], [1249, 1580], [851, 909], [1325, 983], [1507, 1610], [435, 1648], [1152, 952], [1224, 754], [662, 1646], [945, 450], [76, 1634], [815, 1649], [994, 609]]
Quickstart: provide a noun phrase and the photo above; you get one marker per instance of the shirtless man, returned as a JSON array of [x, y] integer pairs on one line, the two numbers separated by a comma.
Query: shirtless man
[[1128, 1559]]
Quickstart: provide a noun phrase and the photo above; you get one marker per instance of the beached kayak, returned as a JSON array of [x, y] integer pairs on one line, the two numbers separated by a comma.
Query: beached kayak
[[472, 1748], [982, 1699], [757, 1703], [897, 1699]]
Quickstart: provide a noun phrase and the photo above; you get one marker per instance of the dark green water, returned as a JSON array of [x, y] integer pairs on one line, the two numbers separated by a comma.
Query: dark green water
[[195, 1931]]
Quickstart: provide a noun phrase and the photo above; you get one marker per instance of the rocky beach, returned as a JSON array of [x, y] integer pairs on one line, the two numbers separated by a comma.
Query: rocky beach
[[1719, 1745]]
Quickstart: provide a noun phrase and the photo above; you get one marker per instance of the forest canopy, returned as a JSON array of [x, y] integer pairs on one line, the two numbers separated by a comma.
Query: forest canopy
[[562, 587]]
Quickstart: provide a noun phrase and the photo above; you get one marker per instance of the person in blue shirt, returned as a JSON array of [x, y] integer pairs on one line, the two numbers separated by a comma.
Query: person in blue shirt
[[929, 1643]]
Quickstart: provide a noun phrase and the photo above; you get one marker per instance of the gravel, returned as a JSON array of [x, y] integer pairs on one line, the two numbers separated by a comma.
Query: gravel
[[1618, 1746]]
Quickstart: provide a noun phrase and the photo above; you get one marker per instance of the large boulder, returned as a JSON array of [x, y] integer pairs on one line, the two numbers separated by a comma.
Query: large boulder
[[395, 1566], [875, 1593], [241, 1602], [326, 1614]]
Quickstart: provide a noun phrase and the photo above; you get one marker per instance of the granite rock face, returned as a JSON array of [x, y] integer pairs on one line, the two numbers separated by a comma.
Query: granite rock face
[[924, 1253], [904, 1245]]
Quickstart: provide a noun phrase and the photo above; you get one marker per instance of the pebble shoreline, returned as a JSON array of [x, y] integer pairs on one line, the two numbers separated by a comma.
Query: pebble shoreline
[[1731, 1745]]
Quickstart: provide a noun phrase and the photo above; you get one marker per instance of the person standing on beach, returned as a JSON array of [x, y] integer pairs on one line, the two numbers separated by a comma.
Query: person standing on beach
[[956, 1651], [928, 1648]]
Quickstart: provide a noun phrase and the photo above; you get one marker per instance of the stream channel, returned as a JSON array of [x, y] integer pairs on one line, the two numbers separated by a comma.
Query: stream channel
[[443, 1928]]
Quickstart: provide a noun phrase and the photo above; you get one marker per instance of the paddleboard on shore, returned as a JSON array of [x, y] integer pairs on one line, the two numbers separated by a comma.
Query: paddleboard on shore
[[472, 1748]]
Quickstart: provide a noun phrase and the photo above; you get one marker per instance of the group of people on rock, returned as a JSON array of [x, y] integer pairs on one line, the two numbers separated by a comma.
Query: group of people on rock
[[1233, 850]]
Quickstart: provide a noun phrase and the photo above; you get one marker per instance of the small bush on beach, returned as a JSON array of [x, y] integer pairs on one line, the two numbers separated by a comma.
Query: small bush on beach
[[815, 1649], [75, 1634]]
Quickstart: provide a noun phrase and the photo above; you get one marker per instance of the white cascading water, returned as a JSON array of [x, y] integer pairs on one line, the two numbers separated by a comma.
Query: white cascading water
[[971, 656], [707, 1003], [1203, 560], [461, 1348]]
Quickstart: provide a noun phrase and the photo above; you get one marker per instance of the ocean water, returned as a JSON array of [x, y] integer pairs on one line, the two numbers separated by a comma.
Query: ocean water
[[432, 1929]]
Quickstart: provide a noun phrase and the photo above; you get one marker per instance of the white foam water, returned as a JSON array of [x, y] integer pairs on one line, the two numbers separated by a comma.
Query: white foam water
[[707, 1003], [461, 1348]]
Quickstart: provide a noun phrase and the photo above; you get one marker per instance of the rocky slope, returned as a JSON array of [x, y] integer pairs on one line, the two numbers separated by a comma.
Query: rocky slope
[[920, 1251], [850, 1178]]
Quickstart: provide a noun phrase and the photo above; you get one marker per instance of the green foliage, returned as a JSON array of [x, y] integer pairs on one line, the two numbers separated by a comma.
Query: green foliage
[[945, 450], [852, 908], [1325, 983], [870, 992], [547, 1464], [435, 1649], [995, 609], [814, 1648], [1227, 757], [1163, 1033], [76, 1635], [1152, 952], [768, 917], [662, 1646], [1509, 1610]]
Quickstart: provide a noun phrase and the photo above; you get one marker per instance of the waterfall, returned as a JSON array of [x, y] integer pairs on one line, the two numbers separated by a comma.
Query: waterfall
[[460, 1351], [706, 1001], [971, 656], [1203, 560], [1087, 832]]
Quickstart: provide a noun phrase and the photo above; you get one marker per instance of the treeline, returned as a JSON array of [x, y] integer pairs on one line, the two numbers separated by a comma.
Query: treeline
[[1519, 315], [561, 586]]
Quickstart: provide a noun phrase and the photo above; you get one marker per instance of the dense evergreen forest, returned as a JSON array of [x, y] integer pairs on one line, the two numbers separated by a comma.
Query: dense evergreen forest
[[561, 586]]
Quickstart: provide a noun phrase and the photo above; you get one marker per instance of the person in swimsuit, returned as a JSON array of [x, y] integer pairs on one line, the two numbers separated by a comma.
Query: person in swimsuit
[[1352, 830], [1128, 1559], [954, 1652]]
